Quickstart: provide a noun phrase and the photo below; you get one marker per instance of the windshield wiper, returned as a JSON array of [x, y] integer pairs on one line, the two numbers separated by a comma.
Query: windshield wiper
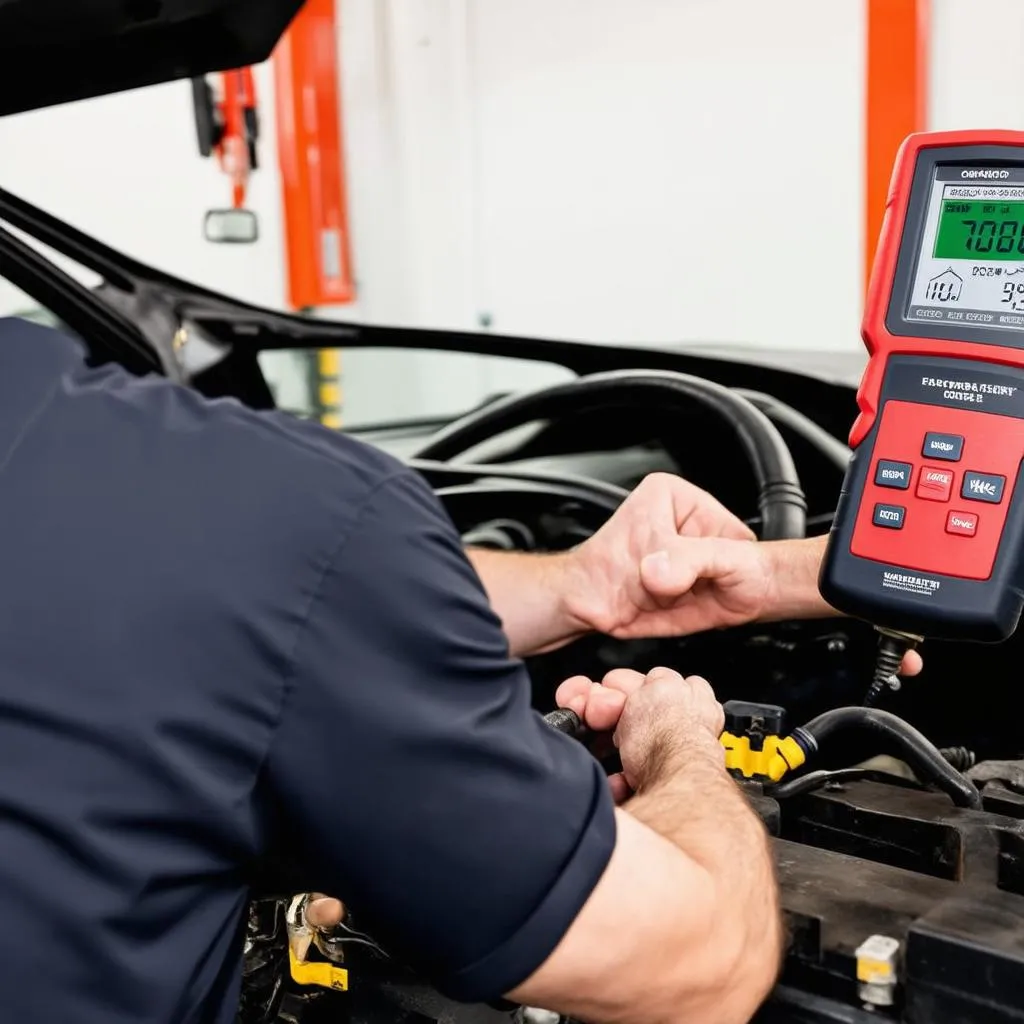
[[108, 336]]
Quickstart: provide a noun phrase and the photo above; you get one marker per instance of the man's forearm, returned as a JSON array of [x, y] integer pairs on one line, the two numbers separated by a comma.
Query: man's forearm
[[528, 593], [531, 592], [793, 567], [684, 924], [702, 811]]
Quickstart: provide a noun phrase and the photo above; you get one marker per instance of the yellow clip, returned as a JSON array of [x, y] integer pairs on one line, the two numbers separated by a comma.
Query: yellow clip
[[772, 761], [324, 975], [874, 972]]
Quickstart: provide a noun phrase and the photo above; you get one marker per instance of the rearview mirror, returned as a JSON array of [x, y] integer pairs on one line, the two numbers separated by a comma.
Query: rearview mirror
[[234, 226]]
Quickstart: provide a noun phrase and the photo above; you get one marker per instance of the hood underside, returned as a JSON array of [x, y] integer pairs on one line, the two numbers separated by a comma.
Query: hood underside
[[55, 51]]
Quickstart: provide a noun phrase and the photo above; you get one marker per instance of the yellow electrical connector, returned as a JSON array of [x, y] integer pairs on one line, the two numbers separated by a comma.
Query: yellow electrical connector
[[776, 756]]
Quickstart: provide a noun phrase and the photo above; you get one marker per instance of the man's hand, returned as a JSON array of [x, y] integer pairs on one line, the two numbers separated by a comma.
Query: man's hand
[[545, 601], [657, 720], [615, 581], [664, 721]]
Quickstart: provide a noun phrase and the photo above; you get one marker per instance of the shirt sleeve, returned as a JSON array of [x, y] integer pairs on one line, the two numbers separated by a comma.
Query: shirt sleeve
[[417, 783]]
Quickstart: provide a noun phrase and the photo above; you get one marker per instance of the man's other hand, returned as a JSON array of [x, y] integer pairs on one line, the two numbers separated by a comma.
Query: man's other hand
[[661, 520], [699, 584], [673, 561], [665, 713]]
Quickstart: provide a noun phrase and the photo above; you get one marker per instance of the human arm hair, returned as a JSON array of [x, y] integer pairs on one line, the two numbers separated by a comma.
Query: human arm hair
[[684, 924]]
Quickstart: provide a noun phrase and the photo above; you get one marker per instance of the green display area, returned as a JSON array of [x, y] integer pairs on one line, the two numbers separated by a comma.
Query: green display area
[[980, 231]]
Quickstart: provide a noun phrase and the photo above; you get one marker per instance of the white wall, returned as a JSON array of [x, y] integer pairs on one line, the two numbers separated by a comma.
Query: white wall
[[596, 168], [977, 77], [633, 169], [577, 168]]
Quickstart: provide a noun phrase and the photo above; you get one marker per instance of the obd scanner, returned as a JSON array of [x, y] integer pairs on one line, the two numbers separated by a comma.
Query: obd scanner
[[929, 529]]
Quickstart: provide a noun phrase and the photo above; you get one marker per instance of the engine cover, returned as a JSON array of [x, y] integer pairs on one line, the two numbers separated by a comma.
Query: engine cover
[[866, 859]]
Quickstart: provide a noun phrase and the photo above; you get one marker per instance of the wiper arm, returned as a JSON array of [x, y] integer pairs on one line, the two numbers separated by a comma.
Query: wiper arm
[[108, 335], [82, 248]]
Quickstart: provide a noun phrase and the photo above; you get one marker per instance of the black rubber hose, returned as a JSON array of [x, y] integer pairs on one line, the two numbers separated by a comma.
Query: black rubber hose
[[817, 436], [780, 496], [916, 749]]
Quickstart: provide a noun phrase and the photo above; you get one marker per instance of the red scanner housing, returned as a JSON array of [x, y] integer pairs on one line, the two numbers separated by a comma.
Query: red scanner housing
[[929, 530]]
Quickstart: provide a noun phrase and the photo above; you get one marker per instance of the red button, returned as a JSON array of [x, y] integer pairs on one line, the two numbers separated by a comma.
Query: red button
[[934, 484], [963, 523]]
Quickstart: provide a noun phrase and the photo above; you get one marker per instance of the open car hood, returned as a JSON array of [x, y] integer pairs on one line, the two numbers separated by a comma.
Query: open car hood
[[55, 51]]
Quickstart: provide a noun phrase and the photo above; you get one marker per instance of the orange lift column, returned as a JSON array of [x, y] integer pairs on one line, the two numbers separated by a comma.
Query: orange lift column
[[896, 101], [312, 161]]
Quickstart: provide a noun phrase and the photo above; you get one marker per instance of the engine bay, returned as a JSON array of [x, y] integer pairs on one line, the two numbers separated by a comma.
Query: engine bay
[[899, 903]]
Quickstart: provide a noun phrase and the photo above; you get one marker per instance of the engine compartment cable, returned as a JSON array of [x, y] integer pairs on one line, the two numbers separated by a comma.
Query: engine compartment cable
[[916, 749]]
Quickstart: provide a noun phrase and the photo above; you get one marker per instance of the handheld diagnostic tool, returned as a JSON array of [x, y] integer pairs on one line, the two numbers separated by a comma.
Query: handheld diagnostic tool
[[929, 530]]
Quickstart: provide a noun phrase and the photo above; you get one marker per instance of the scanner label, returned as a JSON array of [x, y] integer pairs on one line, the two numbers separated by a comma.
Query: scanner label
[[910, 584], [967, 390], [957, 384]]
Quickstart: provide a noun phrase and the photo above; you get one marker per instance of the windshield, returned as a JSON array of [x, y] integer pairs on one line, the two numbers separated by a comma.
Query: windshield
[[344, 387]]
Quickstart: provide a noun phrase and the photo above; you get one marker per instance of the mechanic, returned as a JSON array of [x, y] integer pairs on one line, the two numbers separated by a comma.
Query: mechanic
[[232, 639]]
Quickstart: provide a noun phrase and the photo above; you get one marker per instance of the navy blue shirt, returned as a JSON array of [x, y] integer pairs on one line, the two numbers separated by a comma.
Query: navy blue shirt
[[221, 628]]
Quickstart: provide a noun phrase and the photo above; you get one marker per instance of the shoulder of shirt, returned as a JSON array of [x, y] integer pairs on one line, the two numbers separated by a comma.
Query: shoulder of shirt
[[302, 455], [317, 466]]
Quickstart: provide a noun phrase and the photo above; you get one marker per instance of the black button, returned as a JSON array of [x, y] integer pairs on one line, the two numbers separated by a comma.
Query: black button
[[893, 474], [983, 487], [890, 516], [943, 446]]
